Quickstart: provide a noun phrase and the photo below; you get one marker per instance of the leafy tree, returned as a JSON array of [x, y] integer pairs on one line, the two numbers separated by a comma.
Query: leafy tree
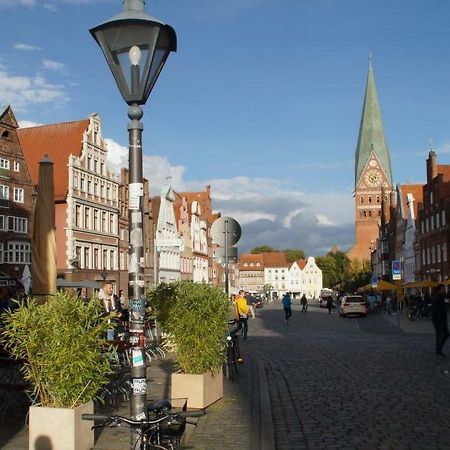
[[294, 254], [262, 249], [328, 267]]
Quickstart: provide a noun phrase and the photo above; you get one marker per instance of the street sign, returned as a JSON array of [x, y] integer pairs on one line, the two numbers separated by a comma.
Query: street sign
[[232, 255], [396, 270], [226, 231], [374, 282]]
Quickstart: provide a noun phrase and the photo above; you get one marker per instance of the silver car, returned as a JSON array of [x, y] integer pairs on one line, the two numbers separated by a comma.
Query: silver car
[[353, 304]]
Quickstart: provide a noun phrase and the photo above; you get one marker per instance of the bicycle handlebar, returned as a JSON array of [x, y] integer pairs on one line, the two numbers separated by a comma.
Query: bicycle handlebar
[[136, 423]]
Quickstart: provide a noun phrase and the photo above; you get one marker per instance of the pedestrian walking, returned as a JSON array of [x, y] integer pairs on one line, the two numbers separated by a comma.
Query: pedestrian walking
[[250, 301], [388, 304], [439, 318], [304, 303], [329, 304], [286, 301], [241, 313]]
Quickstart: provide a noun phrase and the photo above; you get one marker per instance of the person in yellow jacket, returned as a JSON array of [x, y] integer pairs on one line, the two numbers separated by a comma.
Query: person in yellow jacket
[[241, 312]]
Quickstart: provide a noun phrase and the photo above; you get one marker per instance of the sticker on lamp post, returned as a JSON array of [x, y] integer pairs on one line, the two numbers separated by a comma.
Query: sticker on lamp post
[[135, 192], [139, 386]]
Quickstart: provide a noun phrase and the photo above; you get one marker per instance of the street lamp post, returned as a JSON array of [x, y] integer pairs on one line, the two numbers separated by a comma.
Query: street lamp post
[[136, 47]]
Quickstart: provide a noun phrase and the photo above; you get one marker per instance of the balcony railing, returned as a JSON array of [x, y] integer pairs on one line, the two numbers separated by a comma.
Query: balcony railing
[[4, 173]]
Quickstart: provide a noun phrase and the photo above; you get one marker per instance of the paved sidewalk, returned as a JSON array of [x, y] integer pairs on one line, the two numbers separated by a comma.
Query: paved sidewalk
[[401, 321], [239, 412]]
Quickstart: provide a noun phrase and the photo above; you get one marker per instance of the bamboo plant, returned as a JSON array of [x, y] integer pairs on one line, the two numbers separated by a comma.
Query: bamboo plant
[[61, 345], [195, 316]]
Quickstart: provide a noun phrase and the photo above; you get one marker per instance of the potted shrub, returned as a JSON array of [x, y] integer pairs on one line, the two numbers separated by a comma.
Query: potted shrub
[[195, 317], [63, 351]]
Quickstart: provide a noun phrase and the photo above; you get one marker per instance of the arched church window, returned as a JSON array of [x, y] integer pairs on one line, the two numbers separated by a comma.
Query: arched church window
[[362, 199], [378, 199], [370, 213], [365, 213], [370, 199], [379, 213]]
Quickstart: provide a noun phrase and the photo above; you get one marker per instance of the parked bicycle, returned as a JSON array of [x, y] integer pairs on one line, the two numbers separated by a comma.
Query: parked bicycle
[[163, 429], [233, 354], [422, 311]]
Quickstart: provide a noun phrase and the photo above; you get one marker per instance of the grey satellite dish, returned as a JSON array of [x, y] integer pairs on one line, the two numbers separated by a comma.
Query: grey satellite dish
[[226, 231]]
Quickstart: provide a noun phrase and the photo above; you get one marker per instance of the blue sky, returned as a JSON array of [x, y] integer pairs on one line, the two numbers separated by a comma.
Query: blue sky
[[262, 100]]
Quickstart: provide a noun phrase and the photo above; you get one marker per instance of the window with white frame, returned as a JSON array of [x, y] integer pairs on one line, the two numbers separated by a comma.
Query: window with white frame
[[443, 217], [4, 192], [432, 256], [4, 163], [438, 253], [2, 253], [437, 220], [16, 166], [427, 225], [432, 223], [19, 195], [18, 253], [444, 251], [17, 224], [3, 223], [428, 256]]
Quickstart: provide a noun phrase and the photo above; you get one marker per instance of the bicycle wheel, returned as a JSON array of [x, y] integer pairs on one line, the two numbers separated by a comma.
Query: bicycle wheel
[[233, 363]]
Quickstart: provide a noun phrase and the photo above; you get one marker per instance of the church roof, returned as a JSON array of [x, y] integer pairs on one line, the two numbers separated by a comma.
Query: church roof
[[371, 133]]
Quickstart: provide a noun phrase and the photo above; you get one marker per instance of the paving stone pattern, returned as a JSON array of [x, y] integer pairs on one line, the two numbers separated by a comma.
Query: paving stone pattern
[[320, 382]]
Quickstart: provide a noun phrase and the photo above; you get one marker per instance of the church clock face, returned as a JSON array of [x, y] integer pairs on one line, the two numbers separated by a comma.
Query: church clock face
[[373, 178]]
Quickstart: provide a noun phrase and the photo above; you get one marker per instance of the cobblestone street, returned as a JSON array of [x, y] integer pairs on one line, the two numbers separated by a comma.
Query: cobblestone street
[[321, 382], [344, 383]]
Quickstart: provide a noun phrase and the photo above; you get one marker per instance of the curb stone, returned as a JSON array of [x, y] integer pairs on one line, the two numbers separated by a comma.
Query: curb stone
[[266, 426]]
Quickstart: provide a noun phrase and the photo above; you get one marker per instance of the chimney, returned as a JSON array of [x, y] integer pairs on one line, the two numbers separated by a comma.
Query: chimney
[[431, 166]]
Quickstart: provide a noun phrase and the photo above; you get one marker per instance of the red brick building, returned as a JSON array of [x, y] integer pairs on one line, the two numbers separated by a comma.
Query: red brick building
[[432, 229], [16, 201]]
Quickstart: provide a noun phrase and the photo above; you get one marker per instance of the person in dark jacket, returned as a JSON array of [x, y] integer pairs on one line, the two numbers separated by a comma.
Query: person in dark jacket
[[329, 304], [304, 303], [287, 306], [439, 318]]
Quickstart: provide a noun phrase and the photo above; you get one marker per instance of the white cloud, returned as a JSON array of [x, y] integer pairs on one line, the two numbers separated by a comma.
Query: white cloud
[[26, 47], [22, 91], [28, 124], [157, 169], [9, 3], [269, 211], [53, 65]]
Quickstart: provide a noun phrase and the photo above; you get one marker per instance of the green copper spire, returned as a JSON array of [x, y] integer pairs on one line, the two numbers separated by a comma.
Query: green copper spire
[[371, 133]]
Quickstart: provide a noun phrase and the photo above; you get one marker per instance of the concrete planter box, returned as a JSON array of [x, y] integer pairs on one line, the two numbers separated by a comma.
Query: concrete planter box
[[60, 428], [200, 390]]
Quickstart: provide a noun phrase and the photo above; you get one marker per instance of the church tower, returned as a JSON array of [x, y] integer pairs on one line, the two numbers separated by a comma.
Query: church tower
[[373, 175]]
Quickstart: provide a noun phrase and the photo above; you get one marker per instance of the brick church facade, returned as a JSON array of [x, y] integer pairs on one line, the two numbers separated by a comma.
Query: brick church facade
[[373, 174]]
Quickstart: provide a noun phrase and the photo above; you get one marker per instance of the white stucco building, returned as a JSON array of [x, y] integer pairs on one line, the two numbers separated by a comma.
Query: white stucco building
[[311, 279], [168, 245]]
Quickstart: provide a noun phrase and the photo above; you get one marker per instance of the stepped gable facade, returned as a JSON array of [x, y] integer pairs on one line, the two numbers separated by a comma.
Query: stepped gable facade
[[86, 197]]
